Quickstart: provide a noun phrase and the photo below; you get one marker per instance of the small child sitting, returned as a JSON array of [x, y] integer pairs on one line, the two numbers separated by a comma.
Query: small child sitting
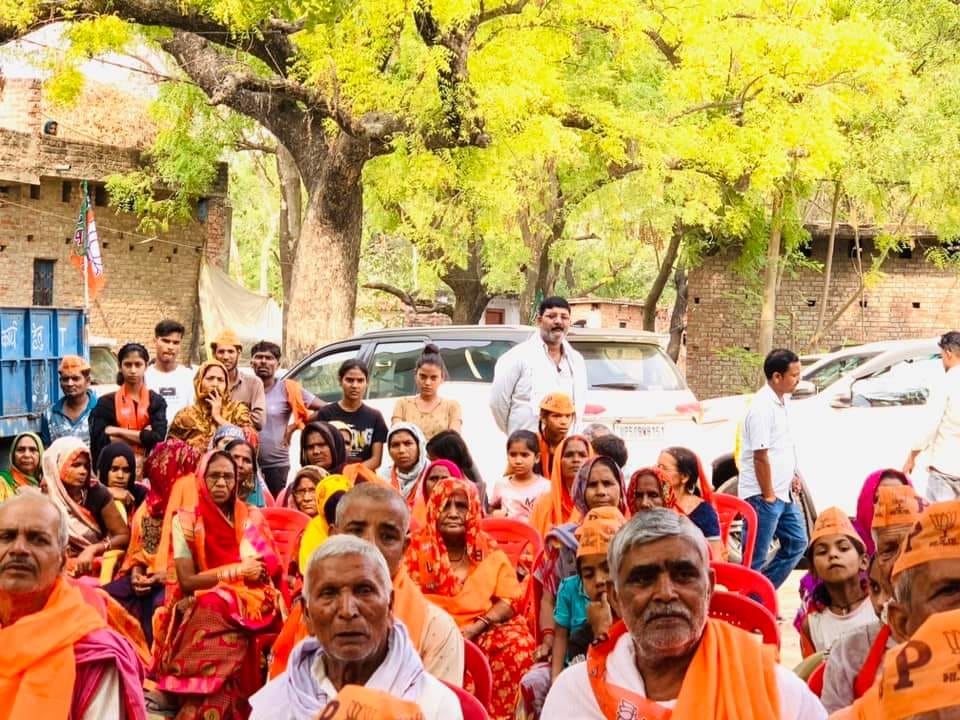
[[838, 558], [513, 496], [583, 613]]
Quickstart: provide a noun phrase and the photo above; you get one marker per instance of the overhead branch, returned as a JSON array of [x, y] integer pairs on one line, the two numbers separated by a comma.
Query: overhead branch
[[508, 8], [418, 305], [271, 44]]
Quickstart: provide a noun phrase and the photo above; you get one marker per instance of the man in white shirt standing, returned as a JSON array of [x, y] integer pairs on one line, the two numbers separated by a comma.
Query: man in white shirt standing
[[533, 369], [768, 469], [166, 377], [941, 435]]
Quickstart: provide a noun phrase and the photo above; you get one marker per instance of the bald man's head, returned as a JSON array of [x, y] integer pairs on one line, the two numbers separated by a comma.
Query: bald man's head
[[379, 515]]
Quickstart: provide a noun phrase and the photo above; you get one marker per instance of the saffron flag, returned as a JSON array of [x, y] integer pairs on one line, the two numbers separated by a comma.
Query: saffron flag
[[86, 245]]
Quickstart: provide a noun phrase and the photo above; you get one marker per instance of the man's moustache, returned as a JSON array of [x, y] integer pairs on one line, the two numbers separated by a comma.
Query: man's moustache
[[663, 611], [19, 565]]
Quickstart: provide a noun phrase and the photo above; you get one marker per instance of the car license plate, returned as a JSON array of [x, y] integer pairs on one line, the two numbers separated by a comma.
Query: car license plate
[[639, 431]]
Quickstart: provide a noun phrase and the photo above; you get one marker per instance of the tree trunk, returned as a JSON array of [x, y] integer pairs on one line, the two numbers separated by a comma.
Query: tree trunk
[[768, 308], [291, 223], [660, 281], [467, 284], [827, 271], [323, 282], [678, 322]]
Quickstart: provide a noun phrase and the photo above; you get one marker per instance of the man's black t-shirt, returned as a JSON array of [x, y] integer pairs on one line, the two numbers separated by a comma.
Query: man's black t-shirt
[[368, 428]]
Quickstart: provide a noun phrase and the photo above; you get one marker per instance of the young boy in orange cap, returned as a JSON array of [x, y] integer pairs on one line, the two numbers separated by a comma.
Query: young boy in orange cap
[[557, 413], [837, 557]]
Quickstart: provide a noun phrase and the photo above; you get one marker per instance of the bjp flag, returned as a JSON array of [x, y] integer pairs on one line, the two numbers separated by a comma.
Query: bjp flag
[[86, 246]]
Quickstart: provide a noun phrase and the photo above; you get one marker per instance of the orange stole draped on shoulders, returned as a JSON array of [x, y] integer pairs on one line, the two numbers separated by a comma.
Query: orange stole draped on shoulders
[[556, 507], [494, 578], [37, 663], [714, 686], [409, 606]]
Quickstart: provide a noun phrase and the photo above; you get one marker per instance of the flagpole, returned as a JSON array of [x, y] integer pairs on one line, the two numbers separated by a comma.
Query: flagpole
[[86, 254]]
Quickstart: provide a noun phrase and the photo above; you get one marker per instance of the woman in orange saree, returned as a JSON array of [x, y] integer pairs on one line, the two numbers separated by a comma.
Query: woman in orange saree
[[224, 595], [459, 568], [556, 507]]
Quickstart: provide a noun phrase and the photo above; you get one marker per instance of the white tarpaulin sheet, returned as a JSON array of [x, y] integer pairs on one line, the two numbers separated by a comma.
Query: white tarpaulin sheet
[[224, 304]]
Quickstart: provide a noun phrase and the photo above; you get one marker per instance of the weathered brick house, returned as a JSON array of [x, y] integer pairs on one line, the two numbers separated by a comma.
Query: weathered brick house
[[912, 299], [148, 277]]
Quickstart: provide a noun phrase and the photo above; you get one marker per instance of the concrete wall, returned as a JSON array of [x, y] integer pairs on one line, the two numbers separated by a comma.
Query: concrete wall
[[912, 299]]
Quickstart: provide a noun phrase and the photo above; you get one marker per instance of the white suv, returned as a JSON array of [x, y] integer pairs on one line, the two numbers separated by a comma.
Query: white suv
[[634, 387]]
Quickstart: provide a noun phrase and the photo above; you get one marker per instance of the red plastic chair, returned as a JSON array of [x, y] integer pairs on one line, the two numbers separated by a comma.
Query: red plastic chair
[[513, 537], [744, 581], [742, 612], [471, 708], [281, 500], [729, 507], [476, 666], [815, 681], [268, 501]]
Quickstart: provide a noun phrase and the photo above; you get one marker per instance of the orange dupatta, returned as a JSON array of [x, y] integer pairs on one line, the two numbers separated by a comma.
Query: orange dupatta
[[37, 662], [556, 507], [132, 413], [300, 414], [712, 687]]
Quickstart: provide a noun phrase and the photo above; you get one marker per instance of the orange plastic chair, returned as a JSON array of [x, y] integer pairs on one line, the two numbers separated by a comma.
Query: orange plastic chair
[[729, 507], [744, 581], [815, 681], [471, 708], [475, 665], [742, 612], [513, 537]]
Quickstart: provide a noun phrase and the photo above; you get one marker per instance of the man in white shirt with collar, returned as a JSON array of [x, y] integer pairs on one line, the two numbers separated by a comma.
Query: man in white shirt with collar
[[768, 469], [941, 434], [535, 368]]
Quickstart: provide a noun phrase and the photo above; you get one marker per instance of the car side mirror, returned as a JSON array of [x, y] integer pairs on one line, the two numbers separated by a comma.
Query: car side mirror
[[804, 389]]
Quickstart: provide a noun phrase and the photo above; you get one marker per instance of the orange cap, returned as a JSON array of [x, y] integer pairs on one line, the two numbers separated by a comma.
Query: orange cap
[[597, 530], [833, 521], [73, 364], [935, 536], [559, 403], [226, 337], [897, 505], [919, 676]]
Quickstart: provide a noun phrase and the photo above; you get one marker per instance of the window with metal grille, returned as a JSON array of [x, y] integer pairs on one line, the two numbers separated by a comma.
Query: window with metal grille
[[43, 282]]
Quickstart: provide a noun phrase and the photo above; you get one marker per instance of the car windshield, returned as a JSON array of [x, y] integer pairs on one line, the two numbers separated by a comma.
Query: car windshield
[[629, 366], [828, 373]]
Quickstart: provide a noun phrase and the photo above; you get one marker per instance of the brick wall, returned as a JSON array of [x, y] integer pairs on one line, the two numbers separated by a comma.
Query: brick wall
[[912, 299], [146, 281], [627, 314], [20, 107]]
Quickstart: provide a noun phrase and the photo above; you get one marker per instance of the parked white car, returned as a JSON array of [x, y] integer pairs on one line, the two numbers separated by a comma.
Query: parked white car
[[859, 410], [634, 387]]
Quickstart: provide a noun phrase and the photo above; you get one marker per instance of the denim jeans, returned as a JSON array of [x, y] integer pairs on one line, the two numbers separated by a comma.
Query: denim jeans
[[783, 521]]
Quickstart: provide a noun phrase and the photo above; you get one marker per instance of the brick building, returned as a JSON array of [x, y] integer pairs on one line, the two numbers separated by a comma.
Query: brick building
[[620, 313], [912, 299], [147, 276]]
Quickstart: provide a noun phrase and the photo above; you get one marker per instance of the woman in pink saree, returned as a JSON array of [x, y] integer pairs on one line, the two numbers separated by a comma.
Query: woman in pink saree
[[223, 596]]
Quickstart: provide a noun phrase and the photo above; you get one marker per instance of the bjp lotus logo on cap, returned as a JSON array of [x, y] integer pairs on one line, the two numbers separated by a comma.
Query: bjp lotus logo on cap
[[944, 522], [952, 638], [899, 507]]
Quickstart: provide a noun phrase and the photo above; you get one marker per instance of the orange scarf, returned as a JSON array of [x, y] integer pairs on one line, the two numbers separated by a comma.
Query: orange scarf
[[300, 414], [556, 507], [37, 662], [132, 412], [712, 687]]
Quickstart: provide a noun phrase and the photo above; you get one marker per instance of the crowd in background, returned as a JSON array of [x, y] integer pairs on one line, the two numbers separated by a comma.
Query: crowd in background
[[170, 580]]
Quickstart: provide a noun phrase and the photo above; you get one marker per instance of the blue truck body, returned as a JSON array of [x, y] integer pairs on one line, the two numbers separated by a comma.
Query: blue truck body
[[33, 340]]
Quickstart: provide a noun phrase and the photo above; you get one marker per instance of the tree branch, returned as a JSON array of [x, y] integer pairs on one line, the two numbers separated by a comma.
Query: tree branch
[[666, 49], [508, 8], [418, 305]]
